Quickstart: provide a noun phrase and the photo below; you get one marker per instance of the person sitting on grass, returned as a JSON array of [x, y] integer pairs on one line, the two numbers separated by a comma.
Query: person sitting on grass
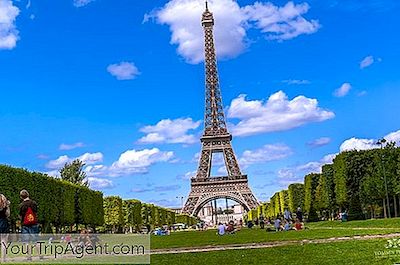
[[298, 226], [231, 228], [287, 226], [221, 229]]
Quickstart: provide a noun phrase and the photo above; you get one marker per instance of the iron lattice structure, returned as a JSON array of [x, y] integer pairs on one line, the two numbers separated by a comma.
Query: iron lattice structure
[[216, 139]]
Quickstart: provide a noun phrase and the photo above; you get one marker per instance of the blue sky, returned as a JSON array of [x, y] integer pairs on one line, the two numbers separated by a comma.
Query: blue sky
[[120, 84]]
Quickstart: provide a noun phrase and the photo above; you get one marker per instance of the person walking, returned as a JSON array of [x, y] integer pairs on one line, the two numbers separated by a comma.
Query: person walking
[[4, 225], [29, 220]]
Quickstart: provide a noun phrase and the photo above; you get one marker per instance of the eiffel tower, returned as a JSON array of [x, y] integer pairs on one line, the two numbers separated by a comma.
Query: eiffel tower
[[216, 139]]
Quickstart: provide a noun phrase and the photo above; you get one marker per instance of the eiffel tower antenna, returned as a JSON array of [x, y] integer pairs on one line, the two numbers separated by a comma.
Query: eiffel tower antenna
[[216, 139]]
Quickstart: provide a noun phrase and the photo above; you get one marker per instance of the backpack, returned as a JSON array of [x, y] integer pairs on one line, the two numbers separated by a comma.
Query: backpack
[[29, 218]]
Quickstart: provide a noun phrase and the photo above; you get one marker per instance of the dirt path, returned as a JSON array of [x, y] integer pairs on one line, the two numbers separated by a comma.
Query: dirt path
[[269, 244]]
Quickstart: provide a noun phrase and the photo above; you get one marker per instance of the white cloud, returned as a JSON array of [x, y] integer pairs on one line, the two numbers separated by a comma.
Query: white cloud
[[296, 82], [81, 3], [343, 90], [187, 175], [53, 173], [87, 158], [138, 162], [8, 31], [183, 18], [319, 142], [281, 23], [170, 131], [59, 162], [393, 137], [91, 158], [369, 60], [365, 144], [71, 146], [99, 183], [278, 113], [267, 153], [232, 21], [357, 144], [123, 70]]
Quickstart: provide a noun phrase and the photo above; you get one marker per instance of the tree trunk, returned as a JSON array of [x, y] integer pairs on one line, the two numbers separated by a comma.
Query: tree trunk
[[384, 208], [395, 205]]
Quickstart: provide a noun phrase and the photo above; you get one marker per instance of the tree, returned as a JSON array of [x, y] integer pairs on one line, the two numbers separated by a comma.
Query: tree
[[310, 186], [284, 200], [296, 196], [73, 172]]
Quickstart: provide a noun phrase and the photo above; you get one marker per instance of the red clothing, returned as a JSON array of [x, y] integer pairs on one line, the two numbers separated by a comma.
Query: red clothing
[[298, 226]]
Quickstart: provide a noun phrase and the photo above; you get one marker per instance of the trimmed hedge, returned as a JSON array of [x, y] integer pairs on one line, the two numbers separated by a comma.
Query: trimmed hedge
[[296, 196], [60, 203]]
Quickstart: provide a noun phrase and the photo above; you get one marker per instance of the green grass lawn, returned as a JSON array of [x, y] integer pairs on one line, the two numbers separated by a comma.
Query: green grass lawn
[[377, 223], [316, 231], [348, 252], [345, 252]]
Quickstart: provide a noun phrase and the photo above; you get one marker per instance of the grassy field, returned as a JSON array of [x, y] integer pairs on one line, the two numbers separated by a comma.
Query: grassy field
[[318, 230], [297, 252], [349, 252]]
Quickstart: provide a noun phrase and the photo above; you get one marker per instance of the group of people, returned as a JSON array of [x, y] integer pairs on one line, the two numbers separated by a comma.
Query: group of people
[[27, 215], [226, 228], [283, 222]]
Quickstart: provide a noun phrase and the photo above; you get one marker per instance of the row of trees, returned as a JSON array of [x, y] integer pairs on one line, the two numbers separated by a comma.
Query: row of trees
[[364, 183], [131, 215], [60, 203]]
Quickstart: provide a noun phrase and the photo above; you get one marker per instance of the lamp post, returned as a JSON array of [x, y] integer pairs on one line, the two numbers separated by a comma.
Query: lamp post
[[381, 142], [180, 197]]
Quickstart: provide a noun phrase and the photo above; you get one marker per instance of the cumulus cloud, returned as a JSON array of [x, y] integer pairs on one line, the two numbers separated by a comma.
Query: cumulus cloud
[[267, 153], [357, 144], [100, 183], [393, 137], [138, 161], [343, 90], [91, 158], [81, 3], [319, 142], [87, 158], [8, 31], [123, 70], [365, 144], [281, 23], [277, 113], [71, 146], [170, 131], [59, 162], [232, 22]]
